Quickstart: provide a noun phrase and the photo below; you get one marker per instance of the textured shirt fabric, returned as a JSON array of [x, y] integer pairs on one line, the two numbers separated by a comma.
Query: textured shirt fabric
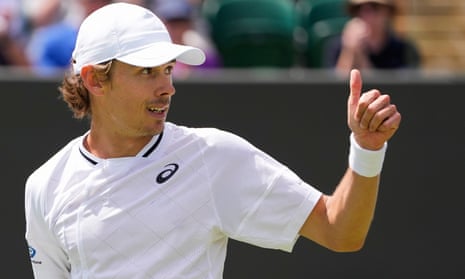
[[167, 212]]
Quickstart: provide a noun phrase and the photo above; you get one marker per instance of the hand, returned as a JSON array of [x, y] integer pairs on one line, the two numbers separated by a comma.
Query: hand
[[371, 116], [355, 35]]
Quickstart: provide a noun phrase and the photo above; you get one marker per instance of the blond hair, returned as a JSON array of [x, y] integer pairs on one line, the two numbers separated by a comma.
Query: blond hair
[[76, 95]]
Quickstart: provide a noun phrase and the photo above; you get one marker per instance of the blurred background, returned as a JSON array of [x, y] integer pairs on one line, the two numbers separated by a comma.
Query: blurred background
[[38, 36], [438, 28]]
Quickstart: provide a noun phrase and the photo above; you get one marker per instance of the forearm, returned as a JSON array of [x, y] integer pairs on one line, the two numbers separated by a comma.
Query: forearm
[[345, 61], [351, 58], [351, 208], [344, 217]]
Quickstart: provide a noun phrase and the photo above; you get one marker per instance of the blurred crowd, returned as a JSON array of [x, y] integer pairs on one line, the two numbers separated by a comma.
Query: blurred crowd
[[39, 35]]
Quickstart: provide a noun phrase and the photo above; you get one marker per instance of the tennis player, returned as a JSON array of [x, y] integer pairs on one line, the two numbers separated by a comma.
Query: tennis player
[[139, 197]]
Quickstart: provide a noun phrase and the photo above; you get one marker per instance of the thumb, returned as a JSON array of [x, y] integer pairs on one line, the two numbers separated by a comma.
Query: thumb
[[355, 90]]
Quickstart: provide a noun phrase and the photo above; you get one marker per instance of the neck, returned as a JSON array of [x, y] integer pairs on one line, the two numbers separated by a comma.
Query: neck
[[377, 40], [107, 146]]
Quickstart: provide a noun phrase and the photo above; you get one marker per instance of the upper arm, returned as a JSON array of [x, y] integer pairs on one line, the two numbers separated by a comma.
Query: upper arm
[[316, 226], [48, 259]]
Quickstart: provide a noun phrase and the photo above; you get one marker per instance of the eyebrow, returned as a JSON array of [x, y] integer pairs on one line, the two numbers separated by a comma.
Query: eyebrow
[[164, 64]]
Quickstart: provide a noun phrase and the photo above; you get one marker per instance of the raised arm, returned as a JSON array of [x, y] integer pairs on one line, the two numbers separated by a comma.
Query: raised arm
[[342, 220]]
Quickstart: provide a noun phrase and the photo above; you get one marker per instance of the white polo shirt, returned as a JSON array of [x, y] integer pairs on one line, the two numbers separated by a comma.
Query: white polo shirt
[[164, 213]]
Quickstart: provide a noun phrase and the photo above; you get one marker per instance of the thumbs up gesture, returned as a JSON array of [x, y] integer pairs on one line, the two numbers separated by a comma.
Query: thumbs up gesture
[[371, 116]]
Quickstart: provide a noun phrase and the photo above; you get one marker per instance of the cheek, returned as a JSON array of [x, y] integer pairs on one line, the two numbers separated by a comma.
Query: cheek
[[122, 102], [128, 103], [129, 95]]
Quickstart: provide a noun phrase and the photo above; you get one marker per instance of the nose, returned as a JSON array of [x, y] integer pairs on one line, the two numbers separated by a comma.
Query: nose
[[166, 87]]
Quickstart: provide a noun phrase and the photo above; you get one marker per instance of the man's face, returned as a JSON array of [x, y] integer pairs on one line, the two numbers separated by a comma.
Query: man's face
[[135, 100], [376, 15]]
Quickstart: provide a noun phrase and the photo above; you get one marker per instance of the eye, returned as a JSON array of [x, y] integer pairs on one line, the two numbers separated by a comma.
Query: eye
[[169, 70], [147, 71]]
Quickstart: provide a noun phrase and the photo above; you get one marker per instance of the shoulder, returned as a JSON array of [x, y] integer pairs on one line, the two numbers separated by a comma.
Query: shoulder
[[41, 184], [54, 34], [406, 48], [48, 171], [53, 45], [211, 142], [59, 30], [400, 42], [209, 136]]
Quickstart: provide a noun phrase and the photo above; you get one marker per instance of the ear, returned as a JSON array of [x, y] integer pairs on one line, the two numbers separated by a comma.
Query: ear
[[91, 81]]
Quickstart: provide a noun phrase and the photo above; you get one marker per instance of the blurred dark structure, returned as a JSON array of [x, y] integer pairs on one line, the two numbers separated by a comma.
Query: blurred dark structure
[[301, 120]]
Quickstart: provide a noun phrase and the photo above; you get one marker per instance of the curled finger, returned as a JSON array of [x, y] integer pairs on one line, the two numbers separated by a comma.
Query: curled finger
[[391, 123], [380, 117]]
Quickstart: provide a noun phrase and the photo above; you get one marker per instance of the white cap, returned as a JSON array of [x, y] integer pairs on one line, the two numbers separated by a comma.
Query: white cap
[[131, 34]]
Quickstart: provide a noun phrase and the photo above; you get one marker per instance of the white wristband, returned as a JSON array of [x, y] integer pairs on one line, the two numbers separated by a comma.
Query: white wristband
[[365, 162]]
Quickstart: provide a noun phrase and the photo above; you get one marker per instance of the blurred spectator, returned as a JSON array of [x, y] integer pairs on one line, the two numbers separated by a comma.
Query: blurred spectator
[[43, 12], [179, 17], [11, 38], [143, 3], [369, 41], [51, 46]]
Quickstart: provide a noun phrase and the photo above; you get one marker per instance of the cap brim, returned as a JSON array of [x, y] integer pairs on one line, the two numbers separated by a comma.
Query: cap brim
[[163, 52]]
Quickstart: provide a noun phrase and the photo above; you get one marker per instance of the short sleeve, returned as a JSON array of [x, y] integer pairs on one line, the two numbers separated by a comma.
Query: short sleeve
[[258, 200], [48, 259]]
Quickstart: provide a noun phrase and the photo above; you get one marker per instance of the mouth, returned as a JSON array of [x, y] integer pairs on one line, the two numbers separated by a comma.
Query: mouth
[[156, 109]]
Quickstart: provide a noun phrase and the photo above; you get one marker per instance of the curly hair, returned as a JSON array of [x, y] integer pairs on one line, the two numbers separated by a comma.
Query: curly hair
[[76, 95]]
